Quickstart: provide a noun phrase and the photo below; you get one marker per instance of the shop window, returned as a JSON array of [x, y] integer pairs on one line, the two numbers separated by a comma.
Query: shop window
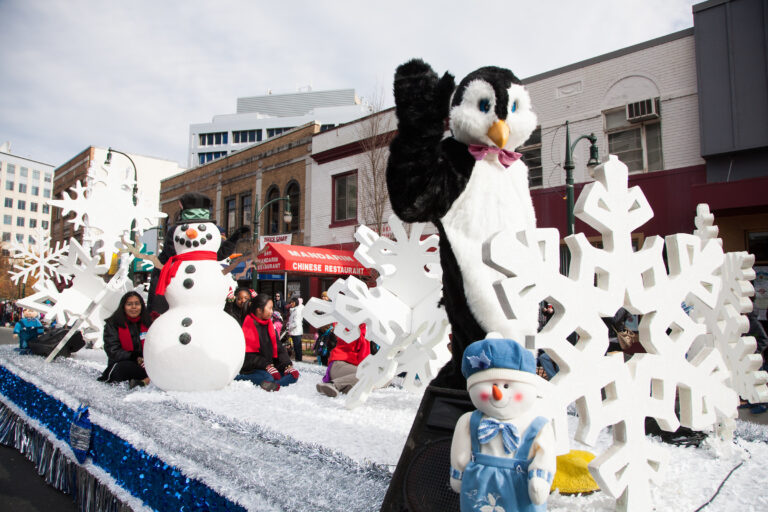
[[531, 151], [293, 193], [345, 197], [637, 144]]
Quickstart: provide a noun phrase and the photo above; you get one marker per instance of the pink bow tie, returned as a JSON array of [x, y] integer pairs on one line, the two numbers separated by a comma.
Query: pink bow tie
[[506, 157]]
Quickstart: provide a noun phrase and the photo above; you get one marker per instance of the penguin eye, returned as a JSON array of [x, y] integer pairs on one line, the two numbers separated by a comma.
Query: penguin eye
[[484, 105], [514, 106]]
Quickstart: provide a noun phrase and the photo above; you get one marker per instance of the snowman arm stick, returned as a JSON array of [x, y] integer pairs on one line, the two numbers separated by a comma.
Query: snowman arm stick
[[131, 248]]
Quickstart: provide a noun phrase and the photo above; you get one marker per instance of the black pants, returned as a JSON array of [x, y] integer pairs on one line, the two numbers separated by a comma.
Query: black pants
[[122, 371], [297, 348]]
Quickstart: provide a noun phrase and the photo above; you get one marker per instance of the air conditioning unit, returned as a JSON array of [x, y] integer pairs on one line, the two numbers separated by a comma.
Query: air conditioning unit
[[643, 110]]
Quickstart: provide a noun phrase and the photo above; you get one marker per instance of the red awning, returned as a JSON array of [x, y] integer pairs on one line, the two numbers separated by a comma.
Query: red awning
[[312, 260]]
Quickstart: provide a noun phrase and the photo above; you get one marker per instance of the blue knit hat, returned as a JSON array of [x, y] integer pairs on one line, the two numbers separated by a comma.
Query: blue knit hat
[[492, 359]]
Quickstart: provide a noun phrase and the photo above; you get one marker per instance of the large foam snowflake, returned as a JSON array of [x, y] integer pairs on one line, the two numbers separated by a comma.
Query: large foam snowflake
[[607, 391], [401, 313], [104, 207], [38, 260], [89, 300], [725, 322]]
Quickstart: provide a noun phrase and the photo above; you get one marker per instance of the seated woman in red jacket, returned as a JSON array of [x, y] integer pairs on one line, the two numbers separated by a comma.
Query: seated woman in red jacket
[[266, 363], [342, 365], [124, 334]]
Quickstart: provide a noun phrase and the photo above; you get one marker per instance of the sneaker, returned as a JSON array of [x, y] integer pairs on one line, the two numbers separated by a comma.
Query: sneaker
[[267, 385], [327, 389]]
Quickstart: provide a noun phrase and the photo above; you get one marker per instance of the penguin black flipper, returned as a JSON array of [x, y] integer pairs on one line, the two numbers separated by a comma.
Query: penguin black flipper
[[425, 173]]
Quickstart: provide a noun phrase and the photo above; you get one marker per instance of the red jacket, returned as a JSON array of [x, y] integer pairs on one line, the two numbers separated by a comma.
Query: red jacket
[[354, 352]]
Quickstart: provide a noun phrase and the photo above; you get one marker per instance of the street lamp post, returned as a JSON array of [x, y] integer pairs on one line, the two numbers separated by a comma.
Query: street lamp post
[[569, 167], [287, 217], [134, 194]]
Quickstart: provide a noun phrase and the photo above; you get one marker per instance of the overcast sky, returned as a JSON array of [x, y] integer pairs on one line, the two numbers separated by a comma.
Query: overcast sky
[[135, 74]]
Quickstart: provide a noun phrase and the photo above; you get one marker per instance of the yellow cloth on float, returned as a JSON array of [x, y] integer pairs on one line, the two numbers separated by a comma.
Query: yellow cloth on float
[[572, 475]]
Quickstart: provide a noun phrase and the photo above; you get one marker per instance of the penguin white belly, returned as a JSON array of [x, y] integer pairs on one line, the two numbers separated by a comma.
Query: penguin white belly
[[194, 349], [494, 199]]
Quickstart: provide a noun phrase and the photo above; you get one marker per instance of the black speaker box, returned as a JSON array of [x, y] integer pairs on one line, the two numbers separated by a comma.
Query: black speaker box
[[421, 480]]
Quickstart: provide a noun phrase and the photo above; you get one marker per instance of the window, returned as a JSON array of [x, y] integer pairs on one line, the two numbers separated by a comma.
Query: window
[[9, 185], [19, 237], [47, 192], [273, 212], [33, 223], [23, 188], [345, 197], [757, 244], [10, 170], [46, 208], [6, 236], [33, 207], [326, 127], [8, 202], [242, 136], [271, 132], [36, 174], [20, 221], [638, 145], [21, 204], [48, 177], [213, 139], [246, 213], [531, 151], [231, 215], [293, 192], [35, 190], [23, 172], [210, 156], [7, 219], [44, 224]]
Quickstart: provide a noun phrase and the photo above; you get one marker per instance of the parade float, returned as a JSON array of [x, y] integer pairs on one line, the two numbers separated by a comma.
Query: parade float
[[238, 448]]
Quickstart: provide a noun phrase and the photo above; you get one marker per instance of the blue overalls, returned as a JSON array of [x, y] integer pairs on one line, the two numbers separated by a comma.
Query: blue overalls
[[499, 481]]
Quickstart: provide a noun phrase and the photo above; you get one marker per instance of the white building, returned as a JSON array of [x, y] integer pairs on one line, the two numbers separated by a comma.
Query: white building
[[259, 118], [26, 186]]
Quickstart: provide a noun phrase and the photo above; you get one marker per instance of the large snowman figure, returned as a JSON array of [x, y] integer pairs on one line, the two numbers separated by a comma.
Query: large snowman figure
[[195, 345]]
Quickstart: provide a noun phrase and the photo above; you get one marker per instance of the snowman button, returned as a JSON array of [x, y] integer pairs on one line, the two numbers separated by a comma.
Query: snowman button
[[203, 240], [185, 338], [189, 269], [209, 236], [195, 243], [188, 283], [186, 322], [188, 244]]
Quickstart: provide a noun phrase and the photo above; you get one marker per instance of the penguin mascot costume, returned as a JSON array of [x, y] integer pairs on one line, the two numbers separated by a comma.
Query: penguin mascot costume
[[470, 185]]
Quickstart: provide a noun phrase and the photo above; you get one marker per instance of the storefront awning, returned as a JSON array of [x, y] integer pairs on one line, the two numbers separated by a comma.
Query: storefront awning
[[310, 260]]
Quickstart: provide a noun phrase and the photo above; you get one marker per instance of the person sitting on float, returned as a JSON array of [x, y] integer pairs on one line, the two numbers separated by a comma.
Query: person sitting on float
[[266, 363], [124, 334], [341, 375], [238, 308]]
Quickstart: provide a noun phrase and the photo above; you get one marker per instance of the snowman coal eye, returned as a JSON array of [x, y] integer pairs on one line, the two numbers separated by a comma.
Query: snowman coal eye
[[184, 227], [506, 386], [484, 105], [201, 227]]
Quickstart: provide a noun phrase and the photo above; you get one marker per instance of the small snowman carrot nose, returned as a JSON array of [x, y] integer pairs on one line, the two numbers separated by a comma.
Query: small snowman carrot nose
[[191, 233], [496, 392]]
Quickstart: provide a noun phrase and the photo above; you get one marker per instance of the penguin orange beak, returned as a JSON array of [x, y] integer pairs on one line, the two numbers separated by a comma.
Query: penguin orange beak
[[499, 133], [191, 233], [496, 393]]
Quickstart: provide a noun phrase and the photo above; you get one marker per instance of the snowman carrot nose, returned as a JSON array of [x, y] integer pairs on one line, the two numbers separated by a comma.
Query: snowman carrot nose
[[191, 233], [496, 392]]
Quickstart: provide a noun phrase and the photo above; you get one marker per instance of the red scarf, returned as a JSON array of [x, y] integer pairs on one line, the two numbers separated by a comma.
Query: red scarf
[[252, 342], [174, 262], [126, 341]]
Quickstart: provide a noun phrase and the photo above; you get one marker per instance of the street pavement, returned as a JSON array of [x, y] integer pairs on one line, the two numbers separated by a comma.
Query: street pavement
[[21, 488]]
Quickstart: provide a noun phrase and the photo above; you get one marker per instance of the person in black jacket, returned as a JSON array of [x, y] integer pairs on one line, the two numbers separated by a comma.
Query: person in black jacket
[[238, 308], [266, 363], [124, 334]]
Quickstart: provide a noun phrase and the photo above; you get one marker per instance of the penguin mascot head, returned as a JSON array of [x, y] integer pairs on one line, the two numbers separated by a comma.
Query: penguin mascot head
[[470, 185]]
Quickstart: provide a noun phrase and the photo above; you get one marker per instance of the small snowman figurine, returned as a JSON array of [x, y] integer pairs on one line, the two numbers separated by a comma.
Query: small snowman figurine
[[195, 345], [503, 455]]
